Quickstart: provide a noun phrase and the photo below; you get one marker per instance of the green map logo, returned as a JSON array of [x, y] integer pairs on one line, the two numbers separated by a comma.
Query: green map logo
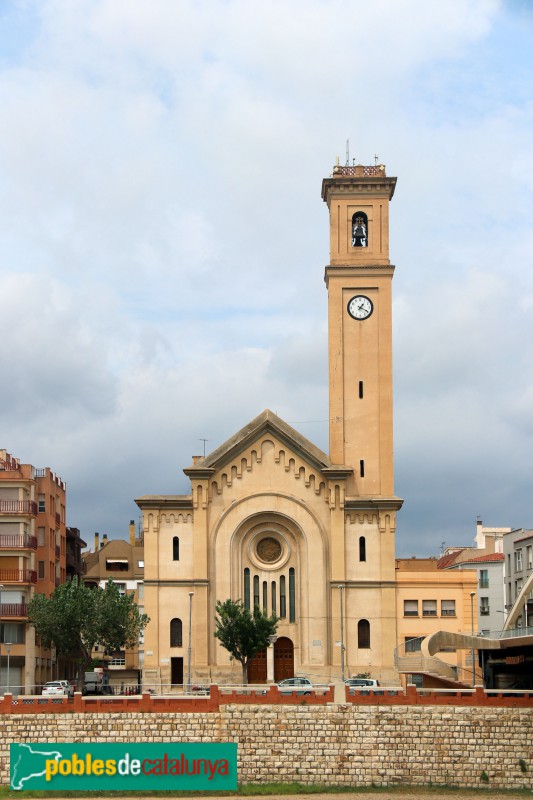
[[92, 767]]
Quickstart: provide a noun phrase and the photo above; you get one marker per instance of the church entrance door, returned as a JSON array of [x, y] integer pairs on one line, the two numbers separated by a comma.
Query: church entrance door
[[257, 668], [283, 659]]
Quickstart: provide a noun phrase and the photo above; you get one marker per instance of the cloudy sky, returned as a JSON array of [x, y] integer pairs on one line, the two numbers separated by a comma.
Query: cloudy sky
[[163, 239]]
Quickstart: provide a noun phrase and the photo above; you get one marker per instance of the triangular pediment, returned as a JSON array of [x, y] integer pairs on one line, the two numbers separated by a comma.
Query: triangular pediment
[[266, 422]]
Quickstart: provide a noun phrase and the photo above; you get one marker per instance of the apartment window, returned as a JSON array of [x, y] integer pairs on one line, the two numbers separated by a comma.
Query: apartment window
[[176, 548], [484, 606], [517, 588], [529, 557], [413, 644], [42, 503], [483, 579], [40, 570], [121, 588], [12, 632], [518, 561], [363, 634], [410, 608], [176, 633], [429, 608], [40, 537], [362, 548], [447, 608]]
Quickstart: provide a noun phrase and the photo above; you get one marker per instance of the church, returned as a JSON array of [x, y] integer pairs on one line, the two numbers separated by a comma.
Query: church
[[275, 522]]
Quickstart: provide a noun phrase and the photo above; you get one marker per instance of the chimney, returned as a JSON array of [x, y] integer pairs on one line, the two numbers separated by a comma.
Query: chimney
[[196, 459], [96, 542], [132, 532], [104, 539]]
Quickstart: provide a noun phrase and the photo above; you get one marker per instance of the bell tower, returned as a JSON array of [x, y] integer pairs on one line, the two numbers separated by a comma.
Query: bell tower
[[358, 279], [359, 283]]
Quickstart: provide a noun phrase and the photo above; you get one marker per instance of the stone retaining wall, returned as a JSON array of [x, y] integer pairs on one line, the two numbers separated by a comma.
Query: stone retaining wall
[[342, 745]]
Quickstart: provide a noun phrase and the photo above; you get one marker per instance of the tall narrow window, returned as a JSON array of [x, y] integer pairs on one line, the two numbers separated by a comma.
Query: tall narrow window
[[176, 548], [363, 634], [361, 392], [247, 588], [256, 591], [282, 598], [274, 603], [292, 595], [176, 633], [265, 596], [362, 468], [362, 548]]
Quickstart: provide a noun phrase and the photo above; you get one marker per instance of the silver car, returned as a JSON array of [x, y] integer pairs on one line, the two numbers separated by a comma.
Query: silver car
[[295, 686]]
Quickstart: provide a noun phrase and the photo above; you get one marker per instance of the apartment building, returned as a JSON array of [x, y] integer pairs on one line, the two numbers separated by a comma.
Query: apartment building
[[32, 560], [122, 562], [428, 600], [518, 554]]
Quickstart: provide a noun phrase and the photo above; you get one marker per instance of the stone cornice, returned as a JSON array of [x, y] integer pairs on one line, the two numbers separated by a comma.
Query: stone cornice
[[168, 501], [375, 185], [373, 503], [338, 473], [199, 473]]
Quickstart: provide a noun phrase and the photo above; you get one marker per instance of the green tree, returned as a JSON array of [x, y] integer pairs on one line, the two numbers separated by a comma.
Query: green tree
[[76, 618], [243, 633]]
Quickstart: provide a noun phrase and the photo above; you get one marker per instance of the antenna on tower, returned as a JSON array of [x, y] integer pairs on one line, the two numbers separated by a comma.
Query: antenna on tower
[[376, 160], [204, 441], [347, 152]]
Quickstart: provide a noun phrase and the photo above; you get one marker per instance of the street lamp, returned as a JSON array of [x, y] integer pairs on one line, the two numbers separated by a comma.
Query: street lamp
[[191, 595], [472, 595], [341, 588], [8, 651]]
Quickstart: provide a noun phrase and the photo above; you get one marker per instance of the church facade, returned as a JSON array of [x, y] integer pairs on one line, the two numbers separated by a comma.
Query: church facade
[[277, 523]]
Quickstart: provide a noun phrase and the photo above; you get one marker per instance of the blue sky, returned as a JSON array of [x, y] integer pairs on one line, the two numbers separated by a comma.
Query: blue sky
[[163, 240]]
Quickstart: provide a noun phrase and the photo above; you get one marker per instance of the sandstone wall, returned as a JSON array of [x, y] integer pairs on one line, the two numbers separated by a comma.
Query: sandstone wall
[[335, 744]]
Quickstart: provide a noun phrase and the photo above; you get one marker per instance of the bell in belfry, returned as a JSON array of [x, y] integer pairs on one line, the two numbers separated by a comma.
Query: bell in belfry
[[359, 233]]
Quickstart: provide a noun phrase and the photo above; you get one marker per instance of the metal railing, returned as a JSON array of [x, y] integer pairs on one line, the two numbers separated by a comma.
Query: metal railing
[[18, 507], [18, 575], [18, 541], [13, 610]]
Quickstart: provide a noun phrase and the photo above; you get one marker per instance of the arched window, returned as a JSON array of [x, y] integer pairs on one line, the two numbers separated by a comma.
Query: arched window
[[359, 229], [176, 633], [363, 634], [247, 588], [176, 548], [292, 595], [362, 548]]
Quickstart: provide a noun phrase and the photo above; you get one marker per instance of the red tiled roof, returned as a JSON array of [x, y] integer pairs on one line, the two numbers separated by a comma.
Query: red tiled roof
[[486, 557], [447, 560]]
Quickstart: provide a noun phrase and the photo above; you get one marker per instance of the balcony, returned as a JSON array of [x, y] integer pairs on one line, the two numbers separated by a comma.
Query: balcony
[[17, 541], [13, 610], [58, 520], [18, 507], [18, 576], [58, 551]]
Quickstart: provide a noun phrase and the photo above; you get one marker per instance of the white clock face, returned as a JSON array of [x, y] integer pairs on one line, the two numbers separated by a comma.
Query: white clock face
[[360, 307]]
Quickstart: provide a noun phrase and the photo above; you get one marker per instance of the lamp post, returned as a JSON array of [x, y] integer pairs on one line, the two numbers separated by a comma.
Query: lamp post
[[472, 595], [8, 651], [191, 595], [341, 588]]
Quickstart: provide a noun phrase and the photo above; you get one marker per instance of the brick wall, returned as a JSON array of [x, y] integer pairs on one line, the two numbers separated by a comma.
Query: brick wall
[[337, 744]]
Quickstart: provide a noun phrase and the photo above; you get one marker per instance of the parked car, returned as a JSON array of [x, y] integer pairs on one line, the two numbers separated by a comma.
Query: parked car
[[69, 688], [362, 683], [295, 686], [55, 689]]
